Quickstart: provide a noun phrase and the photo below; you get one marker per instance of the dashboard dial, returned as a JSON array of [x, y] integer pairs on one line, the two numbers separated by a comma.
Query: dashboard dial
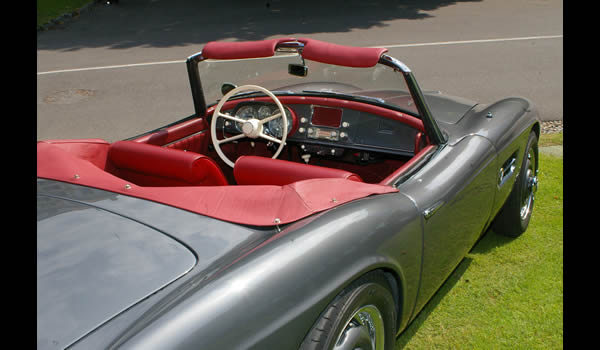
[[264, 112], [276, 125], [246, 113]]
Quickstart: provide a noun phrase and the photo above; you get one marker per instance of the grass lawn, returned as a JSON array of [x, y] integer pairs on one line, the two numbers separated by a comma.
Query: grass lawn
[[507, 293], [50, 9]]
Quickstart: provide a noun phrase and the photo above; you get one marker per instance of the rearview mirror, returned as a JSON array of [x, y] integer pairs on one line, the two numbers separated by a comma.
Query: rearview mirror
[[298, 70], [226, 87]]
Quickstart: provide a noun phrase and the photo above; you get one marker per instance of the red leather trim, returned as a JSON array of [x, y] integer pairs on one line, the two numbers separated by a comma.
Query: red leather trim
[[341, 55], [251, 170], [154, 162], [250, 205], [174, 132], [334, 102], [241, 49], [195, 143], [91, 150], [419, 139], [390, 178]]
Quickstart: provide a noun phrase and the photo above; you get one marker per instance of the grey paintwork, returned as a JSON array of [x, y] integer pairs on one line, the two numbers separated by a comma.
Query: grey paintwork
[[93, 264], [100, 253], [258, 288]]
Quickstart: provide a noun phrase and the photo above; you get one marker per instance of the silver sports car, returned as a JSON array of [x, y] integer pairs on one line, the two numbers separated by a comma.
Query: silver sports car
[[315, 199]]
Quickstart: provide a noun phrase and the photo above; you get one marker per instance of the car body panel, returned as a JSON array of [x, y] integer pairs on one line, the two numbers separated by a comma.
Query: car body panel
[[295, 272], [93, 264], [124, 248], [446, 108], [454, 192]]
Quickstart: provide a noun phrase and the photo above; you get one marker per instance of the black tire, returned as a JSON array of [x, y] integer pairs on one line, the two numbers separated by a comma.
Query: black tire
[[513, 218], [367, 297]]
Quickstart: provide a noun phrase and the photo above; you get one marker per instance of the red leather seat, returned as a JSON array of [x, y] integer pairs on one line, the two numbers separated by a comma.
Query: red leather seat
[[150, 165], [252, 170]]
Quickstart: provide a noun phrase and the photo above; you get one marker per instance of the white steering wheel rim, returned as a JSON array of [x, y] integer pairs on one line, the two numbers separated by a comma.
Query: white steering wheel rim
[[252, 128]]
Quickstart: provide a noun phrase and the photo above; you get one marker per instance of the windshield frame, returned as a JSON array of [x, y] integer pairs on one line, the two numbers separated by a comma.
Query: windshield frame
[[296, 46]]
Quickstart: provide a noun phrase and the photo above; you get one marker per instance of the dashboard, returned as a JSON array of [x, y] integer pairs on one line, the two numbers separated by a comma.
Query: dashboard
[[325, 130]]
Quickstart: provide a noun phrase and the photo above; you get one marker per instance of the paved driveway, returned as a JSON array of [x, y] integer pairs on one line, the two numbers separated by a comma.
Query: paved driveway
[[117, 71]]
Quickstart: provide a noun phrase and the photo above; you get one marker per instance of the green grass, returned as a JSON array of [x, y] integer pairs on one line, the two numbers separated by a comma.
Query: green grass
[[551, 139], [51, 9], [507, 293]]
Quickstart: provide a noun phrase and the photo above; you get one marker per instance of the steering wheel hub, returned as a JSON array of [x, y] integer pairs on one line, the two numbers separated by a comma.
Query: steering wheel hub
[[252, 128]]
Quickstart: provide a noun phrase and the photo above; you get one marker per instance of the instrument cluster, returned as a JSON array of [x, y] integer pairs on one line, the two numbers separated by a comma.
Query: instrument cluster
[[260, 111], [327, 130]]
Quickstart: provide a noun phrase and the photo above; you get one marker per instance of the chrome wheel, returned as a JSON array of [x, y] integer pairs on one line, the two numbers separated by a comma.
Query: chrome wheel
[[362, 317], [364, 331], [530, 186], [513, 219]]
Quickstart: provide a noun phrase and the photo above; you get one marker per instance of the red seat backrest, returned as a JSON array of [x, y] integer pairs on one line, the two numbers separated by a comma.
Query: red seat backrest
[[252, 170], [150, 165]]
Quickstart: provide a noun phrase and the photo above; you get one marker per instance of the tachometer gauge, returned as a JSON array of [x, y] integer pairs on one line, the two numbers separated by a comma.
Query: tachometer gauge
[[264, 112], [276, 125], [246, 113]]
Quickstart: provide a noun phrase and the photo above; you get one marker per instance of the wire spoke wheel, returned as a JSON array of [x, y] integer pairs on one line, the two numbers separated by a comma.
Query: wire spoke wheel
[[362, 317], [513, 219], [530, 186], [364, 330]]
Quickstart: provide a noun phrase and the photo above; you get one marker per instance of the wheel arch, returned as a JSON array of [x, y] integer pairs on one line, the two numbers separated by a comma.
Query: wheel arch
[[396, 284]]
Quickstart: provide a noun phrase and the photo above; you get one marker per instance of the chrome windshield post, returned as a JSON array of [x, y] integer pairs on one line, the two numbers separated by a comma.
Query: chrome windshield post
[[431, 128], [195, 84]]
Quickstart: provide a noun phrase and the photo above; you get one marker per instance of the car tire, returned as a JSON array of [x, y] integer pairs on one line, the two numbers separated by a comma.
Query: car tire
[[362, 316], [513, 218]]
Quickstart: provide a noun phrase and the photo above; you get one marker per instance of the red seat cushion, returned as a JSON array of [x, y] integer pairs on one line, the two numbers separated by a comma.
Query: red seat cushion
[[252, 170], [150, 165]]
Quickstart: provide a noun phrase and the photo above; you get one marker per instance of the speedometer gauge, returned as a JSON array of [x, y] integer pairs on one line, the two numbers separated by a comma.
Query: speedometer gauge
[[264, 112], [276, 125], [246, 113]]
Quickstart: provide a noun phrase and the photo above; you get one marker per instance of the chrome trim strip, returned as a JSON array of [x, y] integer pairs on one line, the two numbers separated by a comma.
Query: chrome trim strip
[[428, 213]]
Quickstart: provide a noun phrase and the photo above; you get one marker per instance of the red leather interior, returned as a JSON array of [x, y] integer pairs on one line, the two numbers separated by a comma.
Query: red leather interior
[[150, 165], [389, 180], [251, 170], [91, 150], [249, 205], [177, 132]]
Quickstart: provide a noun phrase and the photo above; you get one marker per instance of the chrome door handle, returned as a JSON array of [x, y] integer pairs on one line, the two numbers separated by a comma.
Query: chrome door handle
[[427, 213]]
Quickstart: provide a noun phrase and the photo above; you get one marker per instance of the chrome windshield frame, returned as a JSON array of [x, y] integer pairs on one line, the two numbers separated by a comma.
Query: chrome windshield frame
[[432, 130]]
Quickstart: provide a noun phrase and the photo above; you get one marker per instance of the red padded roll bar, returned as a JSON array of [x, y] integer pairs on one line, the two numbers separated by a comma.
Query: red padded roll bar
[[341, 55], [226, 50], [316, 50]]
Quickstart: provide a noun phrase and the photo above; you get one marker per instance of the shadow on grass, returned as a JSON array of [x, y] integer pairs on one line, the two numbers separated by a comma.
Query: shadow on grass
[[151, 23], [422, 316], [487, 243], [490, 241]]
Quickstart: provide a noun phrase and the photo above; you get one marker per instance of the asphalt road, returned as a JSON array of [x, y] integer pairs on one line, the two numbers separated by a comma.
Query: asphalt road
[[117, 71]]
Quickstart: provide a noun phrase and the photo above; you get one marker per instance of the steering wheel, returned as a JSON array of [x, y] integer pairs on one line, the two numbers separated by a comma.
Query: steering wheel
[[252, 128]]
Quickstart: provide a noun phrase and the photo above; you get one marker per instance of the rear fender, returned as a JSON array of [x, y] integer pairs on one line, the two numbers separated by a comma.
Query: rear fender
[[273, 295]]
